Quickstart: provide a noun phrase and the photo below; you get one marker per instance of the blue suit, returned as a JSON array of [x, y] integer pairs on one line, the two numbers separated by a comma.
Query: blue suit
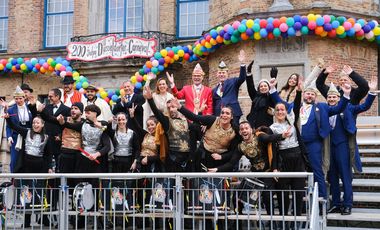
[[11, 133], [313, 132], [340, 163], [230, 95]]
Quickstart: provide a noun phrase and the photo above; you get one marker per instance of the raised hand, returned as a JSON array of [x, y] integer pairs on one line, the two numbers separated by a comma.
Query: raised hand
[[132, 110], [170, 78], [272, 83], [147, 92], [347, 69], [346, 89], [273, 72], [249, 67], [32, 99], [242, 57], [61, 119], [330, 69], [373, 83], [40, 107], [4, 104], [299, 86]]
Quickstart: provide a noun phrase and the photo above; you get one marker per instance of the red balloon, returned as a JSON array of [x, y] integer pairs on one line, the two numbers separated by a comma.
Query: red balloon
[[263, 23], [332, 34], [171, 53], [38, 66], [186, 56], [208, 38], [276, 23], [4, 62], [270, 36]]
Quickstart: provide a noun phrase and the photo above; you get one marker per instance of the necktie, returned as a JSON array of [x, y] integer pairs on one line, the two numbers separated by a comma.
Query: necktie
[[128, 98]]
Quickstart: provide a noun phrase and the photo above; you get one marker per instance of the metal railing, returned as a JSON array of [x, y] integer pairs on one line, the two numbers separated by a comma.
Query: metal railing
[[155, 201]]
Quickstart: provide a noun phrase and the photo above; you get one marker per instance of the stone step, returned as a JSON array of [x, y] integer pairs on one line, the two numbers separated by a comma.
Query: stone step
[[351, 228], [366, 185], [369, 172], [371, 161], [360, 217], [370, 152]]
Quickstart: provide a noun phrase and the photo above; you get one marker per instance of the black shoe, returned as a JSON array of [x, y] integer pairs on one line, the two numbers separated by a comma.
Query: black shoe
[[334, 209], [346, 211]]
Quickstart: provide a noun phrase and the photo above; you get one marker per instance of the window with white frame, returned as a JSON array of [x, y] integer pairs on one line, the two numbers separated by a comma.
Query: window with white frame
[[3, 24], [192, 17], [124, 16], [58, 22]]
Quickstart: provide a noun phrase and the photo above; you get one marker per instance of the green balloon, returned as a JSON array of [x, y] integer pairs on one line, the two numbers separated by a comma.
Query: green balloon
[[333, 18], [226, 42], [276, 32], [53, 63], [340, 20], [304, 30], [341, 35], [141, 71], [234, 39], [236, 33], [256, 27], [290, 21], [117, 92]]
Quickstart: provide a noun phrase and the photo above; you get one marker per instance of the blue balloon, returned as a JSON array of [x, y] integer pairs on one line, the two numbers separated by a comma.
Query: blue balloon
[[230, 30], [185, 49], [351, 32], [65, 63], [161, 68], [69, 69], [269, 27], [35, 70], [263, 33], [17, 66], [14, 61], [320, 21], [366, 28], [297, 18], [114, 98], [335, 24], [291, 32], [257, 20], [58, 60], [270, 20], [138, 85], [371, 24], [78, 85], [327, 27], [297, 26], [361, 22]]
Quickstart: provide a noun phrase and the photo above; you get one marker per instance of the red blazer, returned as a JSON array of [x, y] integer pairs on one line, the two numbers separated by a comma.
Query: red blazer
[[187, 93]]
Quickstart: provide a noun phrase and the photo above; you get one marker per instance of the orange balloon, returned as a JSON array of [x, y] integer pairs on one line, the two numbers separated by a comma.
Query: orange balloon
[[149, 64], [167, 59], [244, 36], [352, 21], [283, 19], [219, 39], [203, 42], [51, 68], [318, 30]]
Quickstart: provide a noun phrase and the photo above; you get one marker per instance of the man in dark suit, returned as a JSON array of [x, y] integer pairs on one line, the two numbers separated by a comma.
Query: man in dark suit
[[22, 116], [130, 99], [227, 91], [55, 108]]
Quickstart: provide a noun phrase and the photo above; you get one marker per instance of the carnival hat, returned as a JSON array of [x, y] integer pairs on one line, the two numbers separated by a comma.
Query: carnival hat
[[222, 66], [18, 92], [67, 80], [333, 90], [198, 70], [26, 87], [311, 88], [92, 87]]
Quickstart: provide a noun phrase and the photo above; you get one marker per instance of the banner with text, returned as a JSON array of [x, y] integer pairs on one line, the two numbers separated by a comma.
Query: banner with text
[[111, 47]]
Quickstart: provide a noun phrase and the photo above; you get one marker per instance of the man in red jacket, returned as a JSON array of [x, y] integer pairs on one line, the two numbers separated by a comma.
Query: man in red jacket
[[198, 98]]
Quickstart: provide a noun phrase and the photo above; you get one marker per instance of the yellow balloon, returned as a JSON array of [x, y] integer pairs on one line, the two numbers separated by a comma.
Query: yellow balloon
[[311, 17], [181, 53], [133, 79], [208, 45], [122, 92], [257, 36], [376, 31], [75, 74], [164, 52], [323, 34], [176, 57], [249, 23], [340, 30]]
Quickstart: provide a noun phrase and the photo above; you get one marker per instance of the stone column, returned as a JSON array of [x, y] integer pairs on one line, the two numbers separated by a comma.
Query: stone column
[[280, 5]]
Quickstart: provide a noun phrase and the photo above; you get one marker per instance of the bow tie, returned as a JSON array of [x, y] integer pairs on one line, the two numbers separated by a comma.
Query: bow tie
[[55, 107]]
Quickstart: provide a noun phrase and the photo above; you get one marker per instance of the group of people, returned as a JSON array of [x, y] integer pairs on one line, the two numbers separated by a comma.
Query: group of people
[[285, 130]]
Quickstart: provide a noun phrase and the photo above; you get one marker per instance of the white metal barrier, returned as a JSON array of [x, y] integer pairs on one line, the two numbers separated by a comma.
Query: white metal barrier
[[156, 201]]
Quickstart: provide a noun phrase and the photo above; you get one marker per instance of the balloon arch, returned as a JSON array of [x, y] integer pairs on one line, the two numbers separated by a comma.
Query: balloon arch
[[248, 29]]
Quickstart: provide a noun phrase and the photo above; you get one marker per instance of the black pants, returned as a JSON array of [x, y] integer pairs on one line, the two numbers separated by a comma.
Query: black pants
[[291, 161]]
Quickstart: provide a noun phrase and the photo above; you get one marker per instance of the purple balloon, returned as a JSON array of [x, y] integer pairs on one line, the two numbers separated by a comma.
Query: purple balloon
[[297, 26], [222, 32], [269, 27], [366, 28], [327, 27], [304, 21], [161, 61], [249, 32], [371, 24], [227, 36]]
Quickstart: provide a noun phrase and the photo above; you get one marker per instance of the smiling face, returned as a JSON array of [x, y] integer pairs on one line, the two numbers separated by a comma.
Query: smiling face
[[263, 88], [280, 112], [20, 100], [151, 126], [68, 88], [128, 88], [293, 80], [121, 120], [75, 112], [226, 116], [245, 131], [162, 87], [309, 97], [222, 75], [344, 79], [90, 94], [173, 111], [197, 79], [37, 124], [332, 99]]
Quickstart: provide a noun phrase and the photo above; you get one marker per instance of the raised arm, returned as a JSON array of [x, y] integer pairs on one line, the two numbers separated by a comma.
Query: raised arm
[[21, 130], [333, 110], [363, 88], [320, 82], [370, 98], [207, 120], [243, 70]]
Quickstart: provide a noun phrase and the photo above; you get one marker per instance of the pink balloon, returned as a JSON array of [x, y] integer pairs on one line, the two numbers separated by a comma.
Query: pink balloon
[[236, 24], [140, 78], [312, 25], [369, 35], [226, 27], [327, 18], [357, 27], [62, 68], [347, 26], [283, 27], [45, 65]]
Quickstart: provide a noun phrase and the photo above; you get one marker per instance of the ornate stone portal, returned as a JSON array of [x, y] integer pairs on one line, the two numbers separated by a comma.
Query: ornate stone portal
[[280, 5]]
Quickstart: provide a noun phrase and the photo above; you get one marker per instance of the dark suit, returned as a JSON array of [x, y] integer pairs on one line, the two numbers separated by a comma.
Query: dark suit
[[137, 99], [54, 130], [344, 152], [230, 95], [11, 133], [313, 132]]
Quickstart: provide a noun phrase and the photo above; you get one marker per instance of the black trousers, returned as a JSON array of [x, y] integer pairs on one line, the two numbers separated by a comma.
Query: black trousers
[[291, 161]]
